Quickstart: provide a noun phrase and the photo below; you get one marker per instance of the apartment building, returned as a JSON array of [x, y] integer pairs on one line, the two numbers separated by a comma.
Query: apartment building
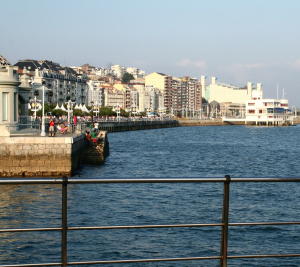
[[95, 93], [61, 83], [163, 83], [114, 98], [188, 99]]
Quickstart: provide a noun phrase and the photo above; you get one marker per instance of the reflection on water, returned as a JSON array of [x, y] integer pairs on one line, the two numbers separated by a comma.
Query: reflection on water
[[26, 206]]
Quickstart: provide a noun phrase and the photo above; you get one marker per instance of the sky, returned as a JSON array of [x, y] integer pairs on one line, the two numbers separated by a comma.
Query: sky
[[236, 41]]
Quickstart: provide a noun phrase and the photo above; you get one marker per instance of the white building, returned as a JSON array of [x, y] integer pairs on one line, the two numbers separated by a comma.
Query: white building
[[267, 112], [118, 71], [136, 73], [221, 92], [9, 83], [62, 83], [95, 93]]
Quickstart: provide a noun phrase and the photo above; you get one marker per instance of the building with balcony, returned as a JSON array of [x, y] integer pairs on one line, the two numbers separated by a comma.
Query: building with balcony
[[61, 83], [95, 93], [114, 98]]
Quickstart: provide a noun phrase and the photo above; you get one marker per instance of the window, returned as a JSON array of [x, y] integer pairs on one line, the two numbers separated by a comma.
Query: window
[[252, 111], [4, 106]]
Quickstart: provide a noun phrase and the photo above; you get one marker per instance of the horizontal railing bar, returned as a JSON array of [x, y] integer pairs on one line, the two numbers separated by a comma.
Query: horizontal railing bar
[[30, 229], [144, 226], [144, 260], [76, 228], [264, 256], [263, 223], [31, 265], [157, 260], [148, 180]]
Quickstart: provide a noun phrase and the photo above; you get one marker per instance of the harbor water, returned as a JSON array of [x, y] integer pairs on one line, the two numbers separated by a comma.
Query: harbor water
[[212, 151]]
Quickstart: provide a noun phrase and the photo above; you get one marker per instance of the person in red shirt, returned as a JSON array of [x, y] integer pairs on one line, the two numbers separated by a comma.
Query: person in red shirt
[[51, 128]]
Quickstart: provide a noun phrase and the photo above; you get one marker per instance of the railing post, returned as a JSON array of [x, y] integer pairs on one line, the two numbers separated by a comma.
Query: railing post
[[64, 222], [225, 215]]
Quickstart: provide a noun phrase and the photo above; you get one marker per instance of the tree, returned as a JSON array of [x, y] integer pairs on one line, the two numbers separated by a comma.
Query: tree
[[127, 77], [58, 112], [124, 113], [107, 111], [77, 112]]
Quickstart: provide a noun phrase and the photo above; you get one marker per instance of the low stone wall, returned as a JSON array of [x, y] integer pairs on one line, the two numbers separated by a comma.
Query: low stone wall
[[186, 122], [40, 156]]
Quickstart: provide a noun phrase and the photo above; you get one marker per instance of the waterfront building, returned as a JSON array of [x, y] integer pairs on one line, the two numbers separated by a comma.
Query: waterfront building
[[9, 97], [274, 112], [61, 83], [181, 96], [134, 101], [163, 83], [114, 98], [188, 100], [95, 93], [232, 110], [221, 92], [153, 100]]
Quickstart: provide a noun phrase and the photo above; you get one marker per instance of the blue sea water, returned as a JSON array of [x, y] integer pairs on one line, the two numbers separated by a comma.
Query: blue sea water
[[163, 153]]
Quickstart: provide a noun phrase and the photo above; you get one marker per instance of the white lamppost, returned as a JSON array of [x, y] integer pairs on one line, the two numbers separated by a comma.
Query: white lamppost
[[43, 132], [34, 107], [69, 110], [118, 112]]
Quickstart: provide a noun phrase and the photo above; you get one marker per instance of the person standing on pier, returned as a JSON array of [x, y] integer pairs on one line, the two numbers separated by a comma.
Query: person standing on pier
[[51, 128]]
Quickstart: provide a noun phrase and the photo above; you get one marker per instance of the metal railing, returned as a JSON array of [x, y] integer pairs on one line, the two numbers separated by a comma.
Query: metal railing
[[224, 224]]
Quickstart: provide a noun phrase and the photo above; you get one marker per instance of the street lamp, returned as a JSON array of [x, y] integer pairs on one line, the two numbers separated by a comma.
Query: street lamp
[[43, 132], [92, 103], [69, 110], [33, 106], [118, 112]]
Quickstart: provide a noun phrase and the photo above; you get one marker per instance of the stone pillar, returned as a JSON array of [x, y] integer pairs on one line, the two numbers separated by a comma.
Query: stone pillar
[[9, 83]]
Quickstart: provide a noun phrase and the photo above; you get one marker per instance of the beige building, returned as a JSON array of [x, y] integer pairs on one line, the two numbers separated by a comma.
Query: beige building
[[163, 83], [221, 92], [114, 98]]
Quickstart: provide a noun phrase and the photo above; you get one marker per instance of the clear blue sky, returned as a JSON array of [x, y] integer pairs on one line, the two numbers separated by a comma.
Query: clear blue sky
[[235, 40]]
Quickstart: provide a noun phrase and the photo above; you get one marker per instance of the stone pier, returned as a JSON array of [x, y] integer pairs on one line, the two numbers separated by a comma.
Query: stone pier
[[45, 156]]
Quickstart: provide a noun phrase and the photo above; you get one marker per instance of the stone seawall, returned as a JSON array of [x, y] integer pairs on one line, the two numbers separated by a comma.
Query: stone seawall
[[216, 122], [40, 156], [136, 125]]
